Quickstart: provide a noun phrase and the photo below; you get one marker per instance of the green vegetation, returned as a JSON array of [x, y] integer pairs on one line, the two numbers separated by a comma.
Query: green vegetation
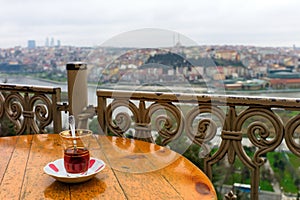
[[225, 62], [6, 127], [286, 168]]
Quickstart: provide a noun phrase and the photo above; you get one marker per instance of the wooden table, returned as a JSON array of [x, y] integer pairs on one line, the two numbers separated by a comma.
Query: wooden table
[[134, 170]]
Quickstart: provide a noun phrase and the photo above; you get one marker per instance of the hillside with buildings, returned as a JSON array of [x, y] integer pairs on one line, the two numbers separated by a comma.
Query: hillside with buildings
[[234, 67]]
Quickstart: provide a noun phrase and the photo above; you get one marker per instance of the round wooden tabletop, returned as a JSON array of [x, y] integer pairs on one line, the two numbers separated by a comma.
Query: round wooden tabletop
[[134, 170]]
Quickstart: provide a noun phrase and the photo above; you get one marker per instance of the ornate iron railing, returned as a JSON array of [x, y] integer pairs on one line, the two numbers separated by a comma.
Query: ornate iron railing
[[30, 109], [237, 121]]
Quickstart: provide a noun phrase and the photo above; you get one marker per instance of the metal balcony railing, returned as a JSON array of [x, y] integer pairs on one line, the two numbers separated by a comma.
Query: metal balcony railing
[[224, 127], [238, 122], [30, 109]]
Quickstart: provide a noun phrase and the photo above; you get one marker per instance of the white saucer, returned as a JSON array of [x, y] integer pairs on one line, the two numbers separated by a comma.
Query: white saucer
[[57, 170]]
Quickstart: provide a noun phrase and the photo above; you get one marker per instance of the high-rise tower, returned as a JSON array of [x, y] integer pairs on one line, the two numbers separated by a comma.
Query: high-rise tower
[[52, 42], [31, 44], [47, 42]]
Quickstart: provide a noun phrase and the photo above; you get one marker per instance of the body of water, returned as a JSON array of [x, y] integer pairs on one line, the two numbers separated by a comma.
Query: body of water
[[22, 80], [92, 89]]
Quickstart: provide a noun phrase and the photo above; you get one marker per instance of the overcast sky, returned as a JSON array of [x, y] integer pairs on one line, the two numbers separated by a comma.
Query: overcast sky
[[94, 22]]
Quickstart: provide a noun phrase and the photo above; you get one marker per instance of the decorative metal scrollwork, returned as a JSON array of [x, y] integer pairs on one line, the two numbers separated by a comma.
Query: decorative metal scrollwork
[[122, 121], [2, 107], [41, 105], [169, 125], [239, 119], [29, 114], [258, 131], [207, 128], [14, 105], [290, 136]]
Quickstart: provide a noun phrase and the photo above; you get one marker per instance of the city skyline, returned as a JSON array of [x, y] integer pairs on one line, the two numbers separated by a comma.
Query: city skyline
[[94, 23]]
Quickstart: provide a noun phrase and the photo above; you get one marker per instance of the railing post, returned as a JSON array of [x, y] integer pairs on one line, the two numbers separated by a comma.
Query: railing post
[[57, 124], [77, 88]]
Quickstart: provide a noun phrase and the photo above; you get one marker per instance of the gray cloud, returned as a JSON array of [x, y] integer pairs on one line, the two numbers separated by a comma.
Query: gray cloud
[[92, 22]]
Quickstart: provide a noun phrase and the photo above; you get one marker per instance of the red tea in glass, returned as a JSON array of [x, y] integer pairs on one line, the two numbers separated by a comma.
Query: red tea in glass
[[76, 160], [76, 150]]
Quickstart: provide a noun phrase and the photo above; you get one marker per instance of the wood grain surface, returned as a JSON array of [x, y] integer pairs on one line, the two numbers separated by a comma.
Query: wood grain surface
[[134, 170]]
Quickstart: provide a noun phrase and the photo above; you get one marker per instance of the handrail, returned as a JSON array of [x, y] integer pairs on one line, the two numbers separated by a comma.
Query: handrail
[[202, 98]]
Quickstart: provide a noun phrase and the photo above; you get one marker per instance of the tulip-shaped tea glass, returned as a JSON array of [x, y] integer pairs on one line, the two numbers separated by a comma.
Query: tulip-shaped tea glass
[[76, 150]]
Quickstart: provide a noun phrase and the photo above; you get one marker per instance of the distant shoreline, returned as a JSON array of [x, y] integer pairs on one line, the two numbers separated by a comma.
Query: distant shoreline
[[262, 91], [6, 77]]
